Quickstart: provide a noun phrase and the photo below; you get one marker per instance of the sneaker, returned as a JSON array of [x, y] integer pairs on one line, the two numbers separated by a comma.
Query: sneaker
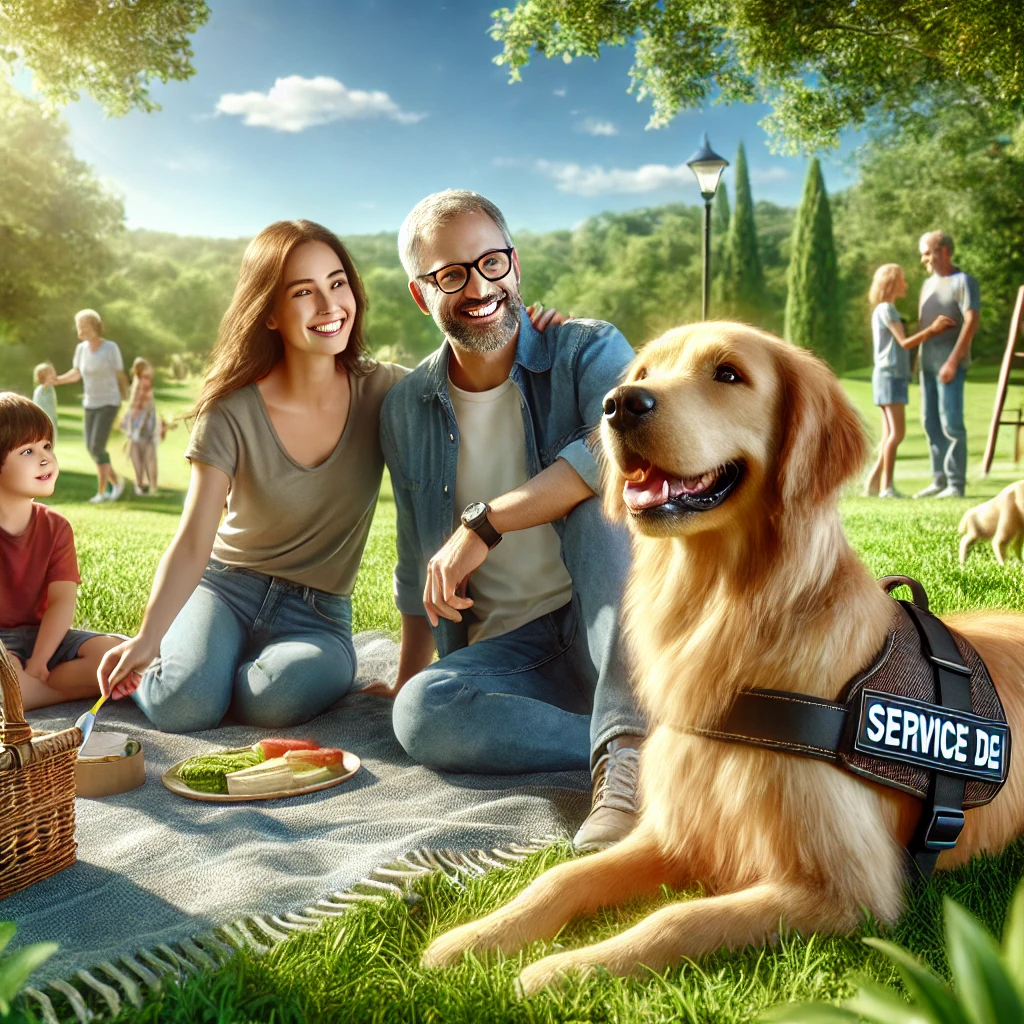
[[140, 492], [950, 492], [931, 491], [613, 809], [98, 498], [890, 492], [117, 490], [152, 492]]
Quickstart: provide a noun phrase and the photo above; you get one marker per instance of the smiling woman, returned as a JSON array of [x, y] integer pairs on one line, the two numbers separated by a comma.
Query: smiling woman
[[286, 433]]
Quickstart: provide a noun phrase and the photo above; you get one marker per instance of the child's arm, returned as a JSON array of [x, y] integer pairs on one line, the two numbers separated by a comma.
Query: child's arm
[[937, 326], [56, 621], [177, 576]]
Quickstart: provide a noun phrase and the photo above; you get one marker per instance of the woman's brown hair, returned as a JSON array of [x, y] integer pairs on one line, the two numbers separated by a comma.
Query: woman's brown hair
[[246, 349]]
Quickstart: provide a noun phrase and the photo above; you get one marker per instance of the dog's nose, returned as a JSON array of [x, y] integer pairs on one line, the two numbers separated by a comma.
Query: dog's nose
[[627, 405]]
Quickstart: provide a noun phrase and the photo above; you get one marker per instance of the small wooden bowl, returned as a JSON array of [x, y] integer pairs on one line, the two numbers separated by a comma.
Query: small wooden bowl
[[107, 776]]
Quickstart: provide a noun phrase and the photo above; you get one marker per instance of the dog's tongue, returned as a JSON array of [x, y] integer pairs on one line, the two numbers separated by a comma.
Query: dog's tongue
[[647, 493]]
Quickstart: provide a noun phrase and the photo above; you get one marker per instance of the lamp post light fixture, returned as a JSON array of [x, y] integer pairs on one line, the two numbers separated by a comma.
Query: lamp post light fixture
[[707, 167]]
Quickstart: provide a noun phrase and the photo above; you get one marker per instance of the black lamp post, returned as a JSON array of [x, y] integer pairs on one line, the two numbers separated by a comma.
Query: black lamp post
[[707, 167]]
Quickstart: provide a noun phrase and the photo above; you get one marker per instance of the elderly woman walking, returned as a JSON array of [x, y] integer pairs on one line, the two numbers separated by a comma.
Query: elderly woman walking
[[98, 365]]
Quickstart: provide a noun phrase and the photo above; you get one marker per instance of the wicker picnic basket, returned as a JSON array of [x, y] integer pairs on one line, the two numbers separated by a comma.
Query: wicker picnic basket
[[37, 792]]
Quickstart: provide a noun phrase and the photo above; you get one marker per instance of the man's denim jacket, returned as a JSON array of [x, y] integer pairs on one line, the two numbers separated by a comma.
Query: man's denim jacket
[[562, 376]]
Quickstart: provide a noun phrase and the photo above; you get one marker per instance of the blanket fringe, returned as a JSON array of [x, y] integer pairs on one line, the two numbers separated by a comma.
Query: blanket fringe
[[148, 968]]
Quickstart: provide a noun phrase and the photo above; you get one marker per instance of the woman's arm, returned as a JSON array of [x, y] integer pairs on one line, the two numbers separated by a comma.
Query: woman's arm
[[71, 377], [177, 576]]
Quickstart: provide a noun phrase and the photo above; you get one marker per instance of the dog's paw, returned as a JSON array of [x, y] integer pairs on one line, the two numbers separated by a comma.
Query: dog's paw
[[447, 949], [550, 972]]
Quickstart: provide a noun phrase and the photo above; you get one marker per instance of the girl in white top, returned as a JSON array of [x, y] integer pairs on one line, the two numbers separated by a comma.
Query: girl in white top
[[98, 365], [890, 378]]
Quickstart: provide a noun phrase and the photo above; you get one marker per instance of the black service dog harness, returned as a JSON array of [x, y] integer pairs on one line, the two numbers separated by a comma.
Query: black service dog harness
[[923, 717]]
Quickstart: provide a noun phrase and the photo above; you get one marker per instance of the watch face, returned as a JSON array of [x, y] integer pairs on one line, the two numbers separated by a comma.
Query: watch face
[[474, 511]]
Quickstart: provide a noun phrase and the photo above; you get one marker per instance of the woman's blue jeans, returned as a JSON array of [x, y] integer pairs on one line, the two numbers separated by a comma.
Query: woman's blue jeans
[[275, 653]]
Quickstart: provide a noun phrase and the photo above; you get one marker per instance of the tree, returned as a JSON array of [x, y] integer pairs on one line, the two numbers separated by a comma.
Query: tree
[[109, 48], [54, 219], [812, 304], [742, 277], [822, 65]]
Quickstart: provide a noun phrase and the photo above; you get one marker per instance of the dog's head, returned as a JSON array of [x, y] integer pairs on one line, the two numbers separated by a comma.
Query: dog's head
[[718, 422]]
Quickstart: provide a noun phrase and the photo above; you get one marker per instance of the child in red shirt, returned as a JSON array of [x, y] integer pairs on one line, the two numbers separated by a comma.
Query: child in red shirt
[[38, 567]]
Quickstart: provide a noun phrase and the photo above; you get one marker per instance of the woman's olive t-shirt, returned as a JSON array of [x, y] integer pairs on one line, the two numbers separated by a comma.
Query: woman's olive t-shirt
[[306, 525]]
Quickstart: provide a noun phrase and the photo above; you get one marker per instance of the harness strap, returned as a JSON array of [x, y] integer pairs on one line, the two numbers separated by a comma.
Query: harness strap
[[942, 816]]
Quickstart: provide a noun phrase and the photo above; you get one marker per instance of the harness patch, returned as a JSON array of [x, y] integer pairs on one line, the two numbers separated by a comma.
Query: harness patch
[[934, 737]]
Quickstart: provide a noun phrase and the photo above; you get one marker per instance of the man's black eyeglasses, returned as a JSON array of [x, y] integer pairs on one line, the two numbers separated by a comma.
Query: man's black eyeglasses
[[492, 266]]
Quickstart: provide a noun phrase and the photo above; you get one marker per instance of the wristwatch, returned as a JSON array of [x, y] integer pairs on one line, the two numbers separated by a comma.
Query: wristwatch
[[474, 517]]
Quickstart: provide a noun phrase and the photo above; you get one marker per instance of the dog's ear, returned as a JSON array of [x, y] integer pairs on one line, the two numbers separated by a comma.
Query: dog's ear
[[822, 443], [611, 479]]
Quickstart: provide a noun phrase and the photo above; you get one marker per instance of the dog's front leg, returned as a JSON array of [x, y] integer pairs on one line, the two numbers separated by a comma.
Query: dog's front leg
[[692, 929], [631, 868]]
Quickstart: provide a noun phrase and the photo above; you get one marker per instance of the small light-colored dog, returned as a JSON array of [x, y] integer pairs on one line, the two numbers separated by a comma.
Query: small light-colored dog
[[1000, 520], [727, 452]]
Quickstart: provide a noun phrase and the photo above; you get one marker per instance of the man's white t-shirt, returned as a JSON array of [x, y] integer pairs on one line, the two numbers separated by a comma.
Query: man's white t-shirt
[[99, 372], [523, 577]]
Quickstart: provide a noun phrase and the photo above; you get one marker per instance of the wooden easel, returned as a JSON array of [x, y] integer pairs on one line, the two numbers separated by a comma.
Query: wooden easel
[[1012, 359]]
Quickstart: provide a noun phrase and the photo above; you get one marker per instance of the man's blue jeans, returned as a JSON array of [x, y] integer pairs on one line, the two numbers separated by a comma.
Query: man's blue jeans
[[942, 413], [276, 653], [545, 697]]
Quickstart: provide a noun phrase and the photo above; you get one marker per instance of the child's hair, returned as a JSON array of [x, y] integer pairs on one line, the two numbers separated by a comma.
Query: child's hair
[[21, 422], [37, 373], [247, 349], [92, 316], [885, 282], [139, 367]]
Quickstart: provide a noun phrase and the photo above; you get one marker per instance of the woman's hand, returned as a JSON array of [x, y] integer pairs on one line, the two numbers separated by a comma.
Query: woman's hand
[[120, 670], [542, 318], [941, 323]]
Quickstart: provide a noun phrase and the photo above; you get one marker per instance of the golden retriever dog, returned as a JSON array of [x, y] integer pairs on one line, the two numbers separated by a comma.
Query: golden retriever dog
[[727, 452], [1000, 520]]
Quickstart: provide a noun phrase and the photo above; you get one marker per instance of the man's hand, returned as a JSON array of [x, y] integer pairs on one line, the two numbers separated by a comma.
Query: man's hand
[[36, 668], [447, 572], [947, 371]]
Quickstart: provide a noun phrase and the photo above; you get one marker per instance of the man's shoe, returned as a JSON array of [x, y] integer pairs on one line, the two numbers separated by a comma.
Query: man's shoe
[[613, 809], [116, 490], [931, 491], [950, 492]]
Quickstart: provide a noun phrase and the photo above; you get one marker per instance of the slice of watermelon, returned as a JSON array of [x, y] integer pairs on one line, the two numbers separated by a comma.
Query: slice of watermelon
[[279, 746], [325, 757]]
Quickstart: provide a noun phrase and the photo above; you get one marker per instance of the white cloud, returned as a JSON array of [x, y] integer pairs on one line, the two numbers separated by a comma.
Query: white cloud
[[766, 175], [594, 127], [559, 92], [295, 103], [596, 180]]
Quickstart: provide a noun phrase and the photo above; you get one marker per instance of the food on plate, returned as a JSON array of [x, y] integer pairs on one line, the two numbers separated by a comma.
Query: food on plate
[[323, 757], [207, 773], [277, 746]]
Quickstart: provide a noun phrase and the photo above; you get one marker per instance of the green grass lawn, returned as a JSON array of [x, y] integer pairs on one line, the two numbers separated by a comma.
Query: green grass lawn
[[364, 967]]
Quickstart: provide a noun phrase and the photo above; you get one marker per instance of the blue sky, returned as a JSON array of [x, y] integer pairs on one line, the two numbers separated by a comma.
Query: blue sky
[[348, 112]]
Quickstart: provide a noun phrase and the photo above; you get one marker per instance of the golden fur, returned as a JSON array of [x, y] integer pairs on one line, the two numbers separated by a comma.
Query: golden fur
[[1000, 520], [761, 591]]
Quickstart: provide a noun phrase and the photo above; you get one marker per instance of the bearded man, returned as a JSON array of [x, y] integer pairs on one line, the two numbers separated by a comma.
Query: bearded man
[[506, 564]]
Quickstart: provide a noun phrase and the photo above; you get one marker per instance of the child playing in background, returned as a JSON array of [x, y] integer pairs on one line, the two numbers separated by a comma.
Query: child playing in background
[[142, 427], [45, 394], [891, 376], [38, 567]]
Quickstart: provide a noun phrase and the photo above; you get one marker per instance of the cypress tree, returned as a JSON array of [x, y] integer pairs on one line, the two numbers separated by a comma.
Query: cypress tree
[[719, 236], [742, 277], [812, 303]]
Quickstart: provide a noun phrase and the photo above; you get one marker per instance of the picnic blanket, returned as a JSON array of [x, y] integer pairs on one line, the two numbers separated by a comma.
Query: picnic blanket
[[156, 870]]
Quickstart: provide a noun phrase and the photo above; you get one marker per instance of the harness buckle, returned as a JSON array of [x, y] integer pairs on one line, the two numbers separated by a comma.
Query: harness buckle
[[944, 829]]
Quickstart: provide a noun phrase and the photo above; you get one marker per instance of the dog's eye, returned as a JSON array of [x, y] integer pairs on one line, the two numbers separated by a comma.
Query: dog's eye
[[726, 374]]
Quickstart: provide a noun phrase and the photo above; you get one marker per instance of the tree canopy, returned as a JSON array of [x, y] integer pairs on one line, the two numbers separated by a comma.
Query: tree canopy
[[109, 48], [822, 65]]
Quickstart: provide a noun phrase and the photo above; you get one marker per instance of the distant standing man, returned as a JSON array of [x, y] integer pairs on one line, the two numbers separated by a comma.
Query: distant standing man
[[945, 359], [505, 561]]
